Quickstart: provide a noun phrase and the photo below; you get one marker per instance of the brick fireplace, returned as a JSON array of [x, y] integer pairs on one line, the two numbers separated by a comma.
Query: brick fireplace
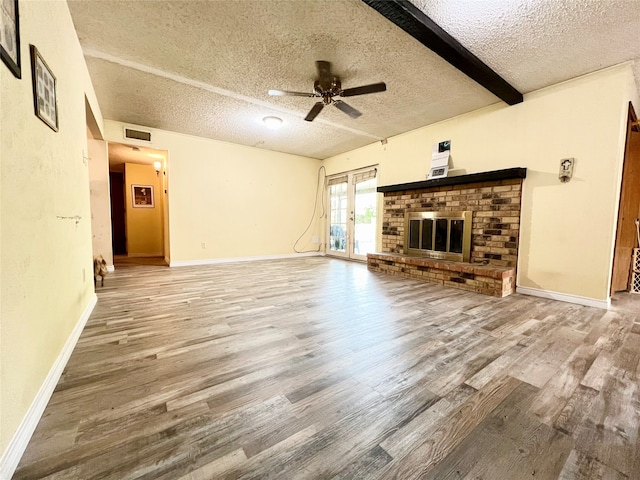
[[493, 198]]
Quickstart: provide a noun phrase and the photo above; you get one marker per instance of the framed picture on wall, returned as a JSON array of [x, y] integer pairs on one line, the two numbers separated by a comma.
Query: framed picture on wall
[[10, 36], [44, 90], [142, 196]]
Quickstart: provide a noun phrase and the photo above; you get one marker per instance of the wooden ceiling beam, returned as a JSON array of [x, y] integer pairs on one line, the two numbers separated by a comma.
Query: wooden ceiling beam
[[413, 21]]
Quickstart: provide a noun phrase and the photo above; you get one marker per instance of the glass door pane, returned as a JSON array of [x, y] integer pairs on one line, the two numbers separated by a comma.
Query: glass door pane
[[338, 218], [364, 229]]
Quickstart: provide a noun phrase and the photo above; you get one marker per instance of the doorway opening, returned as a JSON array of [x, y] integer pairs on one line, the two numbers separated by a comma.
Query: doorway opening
[[353, 200], [629, 207], [139, 205], [97, 165]]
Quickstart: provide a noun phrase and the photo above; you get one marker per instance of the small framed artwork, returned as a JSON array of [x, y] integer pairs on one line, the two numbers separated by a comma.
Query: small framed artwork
[[142, 196], [10, 36], [438, 172], [44, 90]]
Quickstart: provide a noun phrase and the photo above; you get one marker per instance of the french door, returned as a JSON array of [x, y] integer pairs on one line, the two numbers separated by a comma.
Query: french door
[[352, 214]]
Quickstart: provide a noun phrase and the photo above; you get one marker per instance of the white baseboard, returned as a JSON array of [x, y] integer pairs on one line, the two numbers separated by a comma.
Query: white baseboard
[[213, 261], [12, 455], [565, 297], [111, 268]]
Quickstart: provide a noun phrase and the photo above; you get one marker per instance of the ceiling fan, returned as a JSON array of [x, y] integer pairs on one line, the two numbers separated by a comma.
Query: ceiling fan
[[328, 86]]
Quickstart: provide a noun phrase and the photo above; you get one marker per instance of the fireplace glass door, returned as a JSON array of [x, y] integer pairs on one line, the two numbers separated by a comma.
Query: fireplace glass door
[[352, 214], [445, 235]]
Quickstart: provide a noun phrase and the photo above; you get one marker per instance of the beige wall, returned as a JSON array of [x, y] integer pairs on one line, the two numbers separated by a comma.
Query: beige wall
[[144, 225], [45, 219], [566, 240], [230, 201], [100, 199]]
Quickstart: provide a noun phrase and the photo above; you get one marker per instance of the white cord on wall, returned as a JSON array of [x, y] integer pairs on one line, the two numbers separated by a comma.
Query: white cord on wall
[[315, 208]]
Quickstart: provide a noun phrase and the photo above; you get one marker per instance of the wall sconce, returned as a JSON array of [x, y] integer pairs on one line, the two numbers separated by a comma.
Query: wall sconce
[[157, 166], [566, 169]]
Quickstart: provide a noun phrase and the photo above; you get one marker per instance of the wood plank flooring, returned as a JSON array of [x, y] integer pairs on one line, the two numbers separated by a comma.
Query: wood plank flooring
[[315, 368]]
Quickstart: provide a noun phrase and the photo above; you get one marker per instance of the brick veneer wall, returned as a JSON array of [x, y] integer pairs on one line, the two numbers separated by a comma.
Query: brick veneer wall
[[496, 217]]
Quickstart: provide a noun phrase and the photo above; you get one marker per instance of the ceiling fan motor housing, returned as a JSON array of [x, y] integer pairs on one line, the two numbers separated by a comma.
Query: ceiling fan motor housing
[[328, 86]]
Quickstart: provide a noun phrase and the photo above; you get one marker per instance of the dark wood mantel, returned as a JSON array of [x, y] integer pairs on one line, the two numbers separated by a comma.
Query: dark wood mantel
[[458, 180]]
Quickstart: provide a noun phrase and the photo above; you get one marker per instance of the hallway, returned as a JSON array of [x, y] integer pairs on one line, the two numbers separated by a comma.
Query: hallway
[[124, 261]]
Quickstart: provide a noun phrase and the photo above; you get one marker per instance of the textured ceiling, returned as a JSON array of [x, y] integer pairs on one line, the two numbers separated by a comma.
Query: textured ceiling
[[204, 68], [534, 44]]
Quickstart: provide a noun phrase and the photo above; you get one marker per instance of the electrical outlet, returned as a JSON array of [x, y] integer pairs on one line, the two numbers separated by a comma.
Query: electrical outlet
[[203, 245], [84, 275], [314, 239]]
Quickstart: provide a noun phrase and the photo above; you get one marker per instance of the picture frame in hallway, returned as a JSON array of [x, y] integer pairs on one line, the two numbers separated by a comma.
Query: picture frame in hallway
[[142, 196], [45, 100], [10, 36]]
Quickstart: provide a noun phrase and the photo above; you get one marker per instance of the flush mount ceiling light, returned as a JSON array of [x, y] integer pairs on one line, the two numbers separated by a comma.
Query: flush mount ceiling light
[[272, 123]]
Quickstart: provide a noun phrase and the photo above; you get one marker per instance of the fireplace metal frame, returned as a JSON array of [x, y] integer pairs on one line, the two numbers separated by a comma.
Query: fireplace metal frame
[[465, 256]]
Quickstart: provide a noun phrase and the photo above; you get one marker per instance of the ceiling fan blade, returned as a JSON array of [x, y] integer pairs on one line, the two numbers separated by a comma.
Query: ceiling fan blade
[[373, 88], [315, 110], [284, 93], [324, 70], [346, 108]]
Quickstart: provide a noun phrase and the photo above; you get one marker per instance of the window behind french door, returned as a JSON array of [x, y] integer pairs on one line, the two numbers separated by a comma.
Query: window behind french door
[[352, 214]]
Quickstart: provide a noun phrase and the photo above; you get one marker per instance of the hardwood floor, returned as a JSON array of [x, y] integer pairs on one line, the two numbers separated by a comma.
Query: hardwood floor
[[316, 368], [126, 261]]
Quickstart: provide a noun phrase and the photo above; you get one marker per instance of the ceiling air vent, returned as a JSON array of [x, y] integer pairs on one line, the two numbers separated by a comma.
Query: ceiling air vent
[[137, 134]]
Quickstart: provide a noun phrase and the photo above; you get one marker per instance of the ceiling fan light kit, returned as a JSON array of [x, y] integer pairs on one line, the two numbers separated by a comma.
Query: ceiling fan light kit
[[327, 86]]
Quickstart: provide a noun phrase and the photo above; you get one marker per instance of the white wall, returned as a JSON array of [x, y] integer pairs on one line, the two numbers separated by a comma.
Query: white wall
[[237, 201], [100, 199], [567, 230], [45, 223]]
